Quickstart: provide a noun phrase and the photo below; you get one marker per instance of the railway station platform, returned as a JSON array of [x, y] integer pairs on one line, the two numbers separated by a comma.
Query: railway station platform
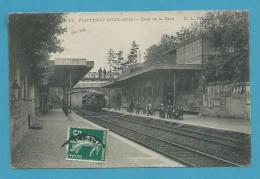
[[42, 148], [230, 124]]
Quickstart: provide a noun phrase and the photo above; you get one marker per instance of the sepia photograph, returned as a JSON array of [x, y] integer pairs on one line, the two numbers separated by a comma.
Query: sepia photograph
[[130, 89]]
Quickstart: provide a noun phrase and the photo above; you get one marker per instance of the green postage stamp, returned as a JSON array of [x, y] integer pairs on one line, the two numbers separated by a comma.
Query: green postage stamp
[[86, 144]]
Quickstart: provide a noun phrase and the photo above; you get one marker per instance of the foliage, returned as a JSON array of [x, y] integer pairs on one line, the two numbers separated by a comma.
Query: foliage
[[32, 37], [228, 31], [155, 53], [132, 56], [111, 58], [230, 36], [116, 61], [119, 63]]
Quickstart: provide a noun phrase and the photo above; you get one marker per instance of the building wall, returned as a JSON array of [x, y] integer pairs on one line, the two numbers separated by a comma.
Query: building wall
[[21, 111], [187, 90], [158, 88], [227, 100], [189, 100], [23, 107], [195, 52], [219, 100], [190, 53]]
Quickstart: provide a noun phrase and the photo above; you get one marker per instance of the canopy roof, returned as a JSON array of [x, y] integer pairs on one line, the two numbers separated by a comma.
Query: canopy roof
[[150, 69], [66, 70]]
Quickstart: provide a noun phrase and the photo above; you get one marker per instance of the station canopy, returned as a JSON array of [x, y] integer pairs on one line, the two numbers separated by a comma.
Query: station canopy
[[151, 69], [66, 71]]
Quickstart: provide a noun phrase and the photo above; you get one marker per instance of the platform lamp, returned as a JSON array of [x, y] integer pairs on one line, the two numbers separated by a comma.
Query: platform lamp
[[15, 90]]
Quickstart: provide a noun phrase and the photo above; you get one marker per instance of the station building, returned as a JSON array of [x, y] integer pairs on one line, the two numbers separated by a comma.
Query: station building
[[179, 79], [30, 98]]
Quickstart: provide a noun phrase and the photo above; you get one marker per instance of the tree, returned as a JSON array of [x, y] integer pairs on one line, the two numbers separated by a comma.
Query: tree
[[230, 36], [32, 37], [156, 52], [116, 61], [110, 59], [132, 56], [119, 64]]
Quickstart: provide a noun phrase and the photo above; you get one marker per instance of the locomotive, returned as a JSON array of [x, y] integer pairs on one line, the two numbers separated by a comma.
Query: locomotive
[[93, 100]]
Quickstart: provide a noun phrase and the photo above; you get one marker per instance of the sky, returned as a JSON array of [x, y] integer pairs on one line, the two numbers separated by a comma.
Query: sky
[[91, 35]]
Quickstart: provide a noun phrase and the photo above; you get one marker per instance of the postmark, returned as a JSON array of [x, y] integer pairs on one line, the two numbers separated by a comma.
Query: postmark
[[86, 144]]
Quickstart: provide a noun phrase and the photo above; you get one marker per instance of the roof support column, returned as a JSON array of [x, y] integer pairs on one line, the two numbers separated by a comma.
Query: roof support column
[[174, 88], [67, 98], [152, 95], [109, 98], [70, 92]]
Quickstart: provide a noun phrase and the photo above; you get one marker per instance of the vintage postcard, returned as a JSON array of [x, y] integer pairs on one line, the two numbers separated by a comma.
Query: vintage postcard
[[172, 88]]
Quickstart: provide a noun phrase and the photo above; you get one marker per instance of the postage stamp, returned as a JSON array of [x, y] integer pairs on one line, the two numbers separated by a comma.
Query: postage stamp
[[86, 144]]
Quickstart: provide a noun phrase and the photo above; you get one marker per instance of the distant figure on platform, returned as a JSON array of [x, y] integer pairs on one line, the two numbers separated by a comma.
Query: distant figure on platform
[[178, 112], [169, 111], [131, 107], [161, 111], [100, 73], [149, 109], [104, 73], [119, 101], [164, 111], [137, 107]]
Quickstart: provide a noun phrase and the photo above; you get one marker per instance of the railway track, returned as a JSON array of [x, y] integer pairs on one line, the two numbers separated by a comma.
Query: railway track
[[229, 150], [156, 141], [235, 137], [229, 142]]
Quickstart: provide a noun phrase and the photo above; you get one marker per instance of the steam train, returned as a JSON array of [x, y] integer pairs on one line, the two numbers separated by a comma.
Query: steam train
[[93, 100]]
